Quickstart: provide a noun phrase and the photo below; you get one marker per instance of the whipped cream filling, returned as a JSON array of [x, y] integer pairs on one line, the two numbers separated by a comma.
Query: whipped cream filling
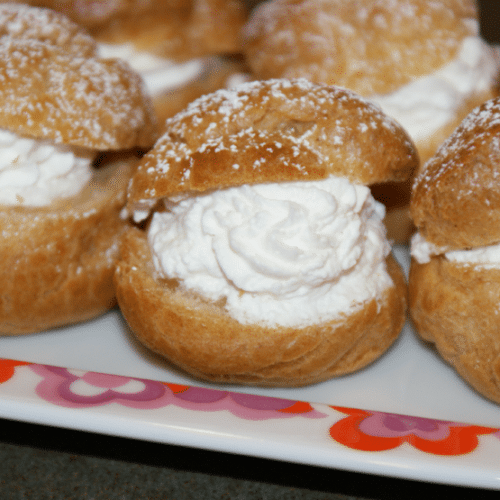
[[37, 172], [159, 74], [289, 254], [431, 102], [485, 257]]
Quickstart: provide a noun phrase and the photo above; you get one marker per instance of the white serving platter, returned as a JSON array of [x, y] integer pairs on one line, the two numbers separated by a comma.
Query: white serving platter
[[420, 420]]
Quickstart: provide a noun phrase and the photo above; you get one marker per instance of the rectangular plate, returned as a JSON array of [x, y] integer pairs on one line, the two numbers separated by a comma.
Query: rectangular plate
[[407, 415]]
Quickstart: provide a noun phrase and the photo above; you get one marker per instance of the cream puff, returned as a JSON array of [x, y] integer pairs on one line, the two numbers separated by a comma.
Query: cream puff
[[182, 49], [454, 278], [264, 259], [423, 62], [66, 121]]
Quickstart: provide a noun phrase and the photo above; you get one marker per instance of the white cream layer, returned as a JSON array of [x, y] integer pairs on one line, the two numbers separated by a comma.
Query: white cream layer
[[486, 257], [288, 254], [431, 102], [159, 74], [37, 172]]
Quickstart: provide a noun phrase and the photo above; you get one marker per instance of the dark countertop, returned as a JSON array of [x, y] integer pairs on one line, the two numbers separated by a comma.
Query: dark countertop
[[41, 462]]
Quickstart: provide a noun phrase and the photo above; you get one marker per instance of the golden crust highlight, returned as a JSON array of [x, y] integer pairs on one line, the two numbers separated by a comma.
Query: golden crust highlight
[[456, 196], [270, 131], [54, 86], [176, 29], [373, 48]]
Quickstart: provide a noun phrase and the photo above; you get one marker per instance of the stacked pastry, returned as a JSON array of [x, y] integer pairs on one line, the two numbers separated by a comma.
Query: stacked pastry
[[422, 61], [455, 273], [61, 108], [264, 259], [179, 47]]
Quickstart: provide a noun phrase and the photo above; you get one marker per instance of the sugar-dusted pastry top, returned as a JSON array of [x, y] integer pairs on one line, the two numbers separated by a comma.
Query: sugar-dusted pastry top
[[65, 93], [373, 47], [269, 131], [25, 23], [456, 197], [177, 29], [90, 13]]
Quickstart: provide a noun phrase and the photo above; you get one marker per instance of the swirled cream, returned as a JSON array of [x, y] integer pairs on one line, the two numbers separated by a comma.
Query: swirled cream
[[288, 254], [36, 173], [431, 102], [159, 74], [485, 257]]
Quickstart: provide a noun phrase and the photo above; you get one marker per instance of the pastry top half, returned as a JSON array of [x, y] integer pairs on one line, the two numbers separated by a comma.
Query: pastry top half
[[372, 47], [44, 25], [64, 92], [456, 197], [272, 131], [177, 29]]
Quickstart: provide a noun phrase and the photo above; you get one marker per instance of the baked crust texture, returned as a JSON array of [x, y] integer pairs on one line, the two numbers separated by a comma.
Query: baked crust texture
[[23, 22], [202, 339], [456, 307], [455, 200], [269, 131], [372, 47], [58, 261], [177, 29], [62, 91]]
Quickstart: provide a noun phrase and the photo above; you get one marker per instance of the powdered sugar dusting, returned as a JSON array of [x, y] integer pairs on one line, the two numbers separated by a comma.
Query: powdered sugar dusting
[[264, 126], [475, 133], [372, 47], [456, 197], [64, 93], [22, 22]]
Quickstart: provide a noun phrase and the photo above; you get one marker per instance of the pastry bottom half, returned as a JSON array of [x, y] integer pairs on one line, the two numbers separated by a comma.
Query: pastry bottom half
[[57, 263], [457, 308], [202, 339]]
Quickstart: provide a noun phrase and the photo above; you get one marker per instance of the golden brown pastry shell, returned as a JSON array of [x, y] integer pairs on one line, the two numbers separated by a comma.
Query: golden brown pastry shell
[[455, 200], [456, 307], [98, 104], [274, 131], [177, 29], [202, 339], [372, 47], [23, 22], [57, 263]]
